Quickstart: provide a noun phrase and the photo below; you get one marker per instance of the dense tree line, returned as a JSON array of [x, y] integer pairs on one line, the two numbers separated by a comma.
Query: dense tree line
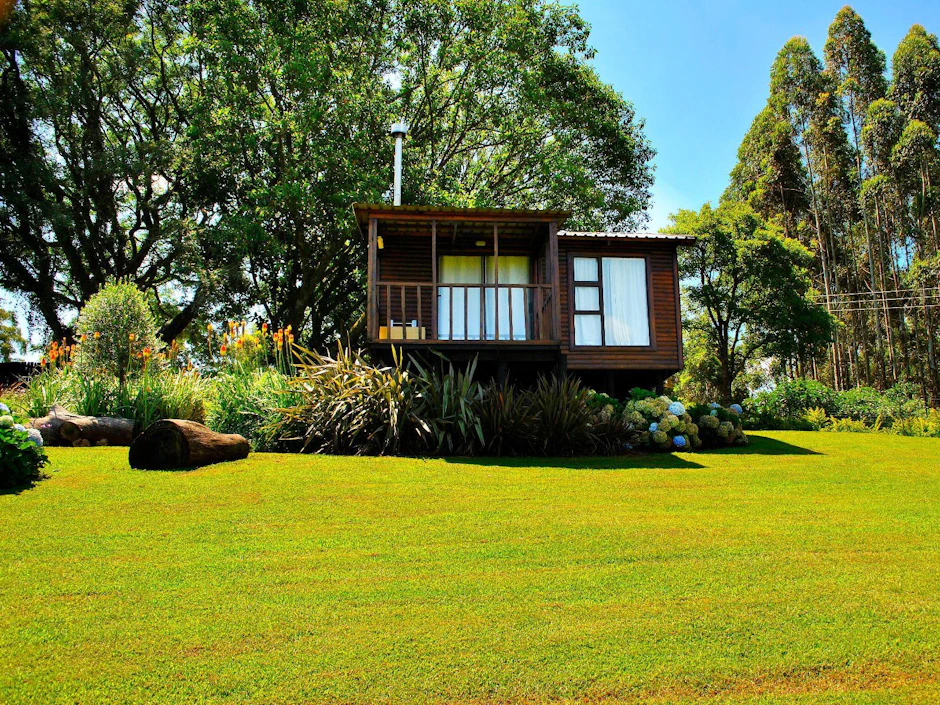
[[846, 160], [209, 150]]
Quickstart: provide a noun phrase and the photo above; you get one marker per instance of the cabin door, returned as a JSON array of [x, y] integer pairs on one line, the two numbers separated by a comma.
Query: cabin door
[[461, 315]]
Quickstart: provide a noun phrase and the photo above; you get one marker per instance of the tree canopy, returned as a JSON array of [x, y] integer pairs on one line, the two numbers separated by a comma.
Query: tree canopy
[[209, 151]]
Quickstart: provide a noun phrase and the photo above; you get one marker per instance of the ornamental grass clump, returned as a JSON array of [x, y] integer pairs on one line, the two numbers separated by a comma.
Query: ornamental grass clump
[[22, 456], [344, 405]]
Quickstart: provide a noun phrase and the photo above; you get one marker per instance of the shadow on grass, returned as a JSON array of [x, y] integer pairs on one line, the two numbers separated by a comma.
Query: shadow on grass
[[759, 445], [634, 461], [762, 445]]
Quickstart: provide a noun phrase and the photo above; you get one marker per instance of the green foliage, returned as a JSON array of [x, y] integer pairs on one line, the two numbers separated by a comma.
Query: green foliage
[[809, 405], [665, 424], [248, 403], [749, 291], [927, 426], [21, 454], [11, 340], [114, 327], [152, 395], [344, 405], [446, 414], [564, 420]]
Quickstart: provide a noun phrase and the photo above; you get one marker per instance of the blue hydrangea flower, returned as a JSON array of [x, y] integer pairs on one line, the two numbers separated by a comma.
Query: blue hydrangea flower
[[19, 427], [714, 405], [677, 408], [4, 409], [679, 441], [713, 412], [736, 408], [35, 436], [654, 427]]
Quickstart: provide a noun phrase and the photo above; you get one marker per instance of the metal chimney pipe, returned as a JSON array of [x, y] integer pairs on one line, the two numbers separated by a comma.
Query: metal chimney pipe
[[399, 130]]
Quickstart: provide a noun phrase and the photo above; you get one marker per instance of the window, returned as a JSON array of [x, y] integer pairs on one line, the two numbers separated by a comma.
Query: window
[[473, 317], [611, 304]]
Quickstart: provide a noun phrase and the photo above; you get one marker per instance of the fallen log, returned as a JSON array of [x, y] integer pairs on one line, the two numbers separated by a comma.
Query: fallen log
[[174, 443], [116, 431], [50, 425]]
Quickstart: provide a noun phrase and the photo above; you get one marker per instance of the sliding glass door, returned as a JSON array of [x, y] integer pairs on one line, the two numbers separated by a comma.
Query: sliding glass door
[[503, 313]]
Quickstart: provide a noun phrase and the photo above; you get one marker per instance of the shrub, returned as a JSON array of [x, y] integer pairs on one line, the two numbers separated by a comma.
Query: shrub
[[114, 326], [248, 403], [665, 424], [505, 420], [927, 426], [157, 393], [21, 453], [564, 422], [719, 426], [851, 426], [446, 411], [784, 407], [863, 404], [344, 405]]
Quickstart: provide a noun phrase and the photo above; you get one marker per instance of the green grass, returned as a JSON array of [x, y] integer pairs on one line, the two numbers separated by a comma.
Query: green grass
[[803, 569]]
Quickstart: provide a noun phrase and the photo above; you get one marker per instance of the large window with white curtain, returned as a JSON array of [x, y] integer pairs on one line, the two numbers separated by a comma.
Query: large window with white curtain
[[461, 314], [611, 305]]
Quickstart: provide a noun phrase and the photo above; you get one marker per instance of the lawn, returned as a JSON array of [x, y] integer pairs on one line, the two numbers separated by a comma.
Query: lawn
[[803, 569]]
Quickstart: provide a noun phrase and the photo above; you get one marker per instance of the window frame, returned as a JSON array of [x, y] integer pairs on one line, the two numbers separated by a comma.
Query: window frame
[[574, 311]]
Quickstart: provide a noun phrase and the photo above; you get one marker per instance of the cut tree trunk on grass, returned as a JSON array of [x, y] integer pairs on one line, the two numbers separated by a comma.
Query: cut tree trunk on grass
[[174, 443], [61, 427], [116, 431], [51, 424]]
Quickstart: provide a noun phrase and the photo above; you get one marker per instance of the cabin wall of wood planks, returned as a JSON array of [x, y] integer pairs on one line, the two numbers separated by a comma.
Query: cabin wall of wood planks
[[665, 353]]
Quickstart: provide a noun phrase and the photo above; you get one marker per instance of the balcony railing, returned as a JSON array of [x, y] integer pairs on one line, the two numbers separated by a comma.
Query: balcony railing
[[474, 313]]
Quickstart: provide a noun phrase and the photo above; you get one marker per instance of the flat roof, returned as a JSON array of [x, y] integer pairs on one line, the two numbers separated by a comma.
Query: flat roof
[[684, 239], [365, 211]]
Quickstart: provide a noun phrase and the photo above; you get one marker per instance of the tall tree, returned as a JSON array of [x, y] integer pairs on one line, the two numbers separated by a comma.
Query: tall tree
[[769, 174], [293, 104], [90, 125], [750, 291], [916, 82]]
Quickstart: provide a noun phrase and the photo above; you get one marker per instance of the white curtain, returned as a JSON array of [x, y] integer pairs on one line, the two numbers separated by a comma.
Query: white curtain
[[587, 329], [512, 270], [459, 270], [626, 308], [585, 269]]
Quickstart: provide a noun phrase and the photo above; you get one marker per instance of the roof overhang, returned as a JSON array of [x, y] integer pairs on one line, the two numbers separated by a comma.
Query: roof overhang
[[366, 211], [662, 237]]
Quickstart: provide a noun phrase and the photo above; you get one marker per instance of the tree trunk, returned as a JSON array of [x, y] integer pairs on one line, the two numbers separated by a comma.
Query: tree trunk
[[175, 443], [50, 425], [116, 431]]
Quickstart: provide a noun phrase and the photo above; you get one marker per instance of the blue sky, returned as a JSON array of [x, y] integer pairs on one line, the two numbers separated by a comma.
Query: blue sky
[[697, 72]]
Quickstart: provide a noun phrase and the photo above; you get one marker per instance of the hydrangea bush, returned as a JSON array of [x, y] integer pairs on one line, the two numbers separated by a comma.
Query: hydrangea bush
[[719, 426], [667, 424], [21, 453]]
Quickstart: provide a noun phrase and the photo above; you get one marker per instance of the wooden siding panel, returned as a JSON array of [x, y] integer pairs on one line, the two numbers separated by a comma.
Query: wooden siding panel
[[664, 353]]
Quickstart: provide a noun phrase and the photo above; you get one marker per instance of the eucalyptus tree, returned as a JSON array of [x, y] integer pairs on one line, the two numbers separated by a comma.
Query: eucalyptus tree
[[769, 174], [857, 69]]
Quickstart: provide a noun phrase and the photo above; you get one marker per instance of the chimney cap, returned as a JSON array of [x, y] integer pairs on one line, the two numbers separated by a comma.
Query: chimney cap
[[399, 129]]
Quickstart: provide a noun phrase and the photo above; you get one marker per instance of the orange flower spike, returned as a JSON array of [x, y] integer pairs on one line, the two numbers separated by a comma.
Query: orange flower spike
[[210, 328], [97, 335], [83, 338], [264, 329], [42, 363], [131, 337], [223, 349]]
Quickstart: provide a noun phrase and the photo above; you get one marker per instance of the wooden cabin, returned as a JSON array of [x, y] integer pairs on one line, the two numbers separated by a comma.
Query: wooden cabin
[[514, 290]]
